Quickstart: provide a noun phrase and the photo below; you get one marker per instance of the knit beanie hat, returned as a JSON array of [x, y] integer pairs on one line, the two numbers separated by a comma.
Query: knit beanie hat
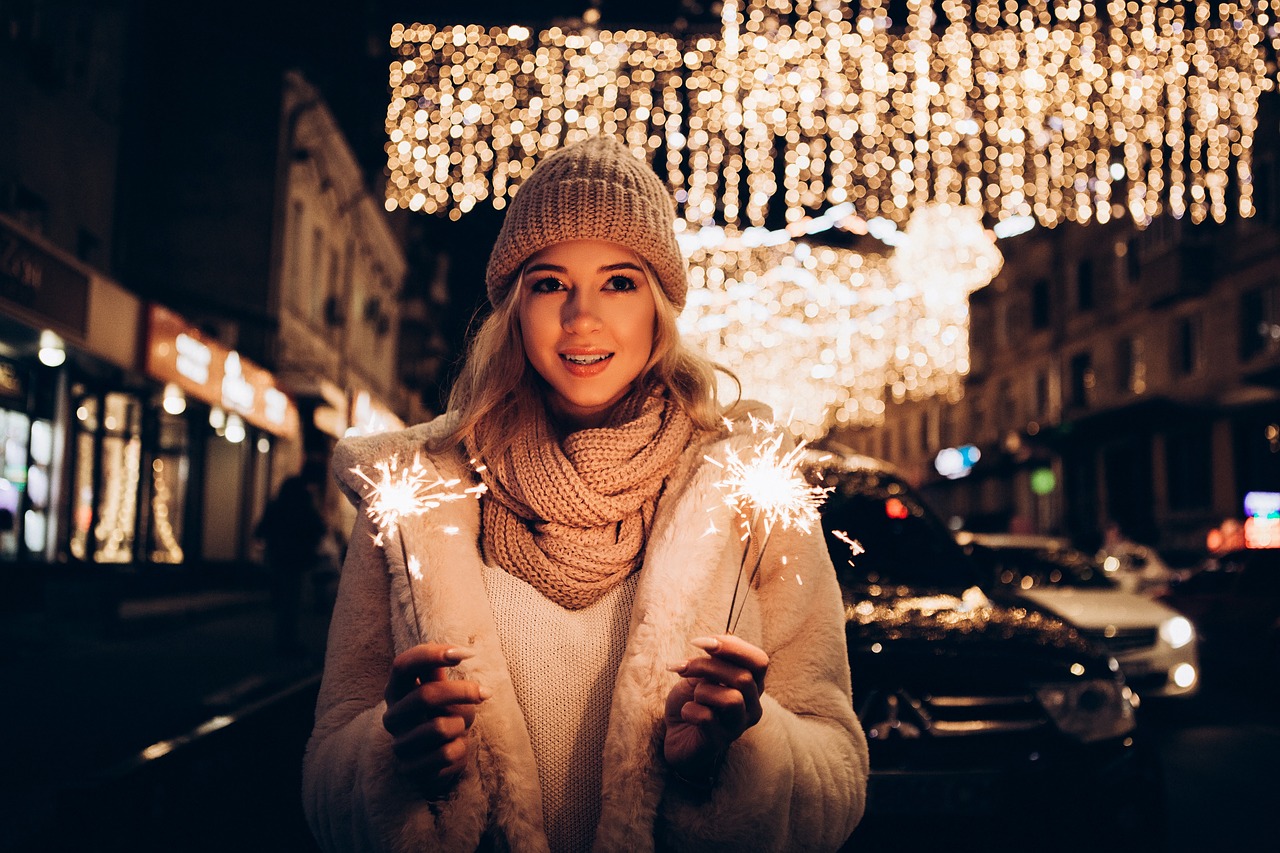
[[592, 190]]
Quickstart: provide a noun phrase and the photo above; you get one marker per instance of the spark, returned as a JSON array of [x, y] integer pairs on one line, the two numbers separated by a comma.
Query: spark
[[396, 493], [855, 547], [400, 493], [767, 490]]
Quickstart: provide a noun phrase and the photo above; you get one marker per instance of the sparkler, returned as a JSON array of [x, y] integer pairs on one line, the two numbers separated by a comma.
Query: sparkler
[[399, 493], [767, 490]]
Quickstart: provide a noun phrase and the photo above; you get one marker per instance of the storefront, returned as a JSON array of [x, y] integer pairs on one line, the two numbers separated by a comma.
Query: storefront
[[224, 417], [127, 437], [45, 319]]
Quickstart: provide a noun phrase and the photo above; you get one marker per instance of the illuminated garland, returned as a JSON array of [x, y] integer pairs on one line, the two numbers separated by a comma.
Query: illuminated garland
[[826, 335], [1061, 111]]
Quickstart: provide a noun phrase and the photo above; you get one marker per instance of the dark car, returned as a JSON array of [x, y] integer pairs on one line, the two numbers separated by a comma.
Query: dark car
[[982, 718], [1234, 602]]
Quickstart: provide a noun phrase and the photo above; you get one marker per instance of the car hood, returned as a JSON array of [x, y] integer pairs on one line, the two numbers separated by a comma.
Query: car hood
[[958, 637], [1100, 608]]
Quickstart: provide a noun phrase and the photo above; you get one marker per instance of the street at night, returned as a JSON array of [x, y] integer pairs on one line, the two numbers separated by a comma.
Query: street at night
[[101, 706], [331, 337]]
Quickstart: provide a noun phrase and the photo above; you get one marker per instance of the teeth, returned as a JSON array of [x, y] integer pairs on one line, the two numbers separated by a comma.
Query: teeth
[[585, 359]]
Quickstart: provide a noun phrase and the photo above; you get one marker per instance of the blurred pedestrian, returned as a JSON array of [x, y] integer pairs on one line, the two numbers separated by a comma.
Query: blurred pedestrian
[[291, 529], [559, 679]]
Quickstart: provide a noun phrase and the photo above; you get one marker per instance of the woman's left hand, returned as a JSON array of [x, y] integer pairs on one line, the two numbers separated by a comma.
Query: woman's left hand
[[717, 700]]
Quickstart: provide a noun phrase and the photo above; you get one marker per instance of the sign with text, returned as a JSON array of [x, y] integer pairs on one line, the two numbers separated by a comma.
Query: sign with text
[[42, 285], [208, 371]]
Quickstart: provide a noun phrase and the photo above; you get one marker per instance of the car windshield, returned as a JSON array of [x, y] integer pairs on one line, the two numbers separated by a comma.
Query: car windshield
[[1033, 567], [901, 542]]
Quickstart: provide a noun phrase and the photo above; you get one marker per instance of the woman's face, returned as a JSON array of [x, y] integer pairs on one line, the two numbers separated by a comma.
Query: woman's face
[[587, 317]]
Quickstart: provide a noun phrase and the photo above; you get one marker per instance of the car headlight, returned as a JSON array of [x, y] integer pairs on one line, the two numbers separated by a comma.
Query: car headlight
[[1177, 631], [1091, 710]]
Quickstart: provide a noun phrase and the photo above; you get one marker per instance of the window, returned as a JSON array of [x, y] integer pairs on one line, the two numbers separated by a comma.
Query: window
[[1008, 405], [1188, 467], [1082, 379], [1042, 394], [1187, 344], [1133, 259], [1259, 321], [1131, 370], [1040, 304], [1084, 285], [315, 287]]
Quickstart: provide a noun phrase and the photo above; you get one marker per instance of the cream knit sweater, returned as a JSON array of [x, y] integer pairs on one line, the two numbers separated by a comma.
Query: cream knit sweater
[[578, 651]]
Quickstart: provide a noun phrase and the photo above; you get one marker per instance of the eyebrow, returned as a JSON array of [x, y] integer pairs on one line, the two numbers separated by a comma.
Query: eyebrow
[[623, 265]]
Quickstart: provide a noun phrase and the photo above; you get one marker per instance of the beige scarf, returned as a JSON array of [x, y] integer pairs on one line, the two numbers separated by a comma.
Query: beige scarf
[[572, 519]]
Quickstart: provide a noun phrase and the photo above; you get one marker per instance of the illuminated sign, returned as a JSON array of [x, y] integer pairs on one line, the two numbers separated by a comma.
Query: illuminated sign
[[1262, 527], [208, 371], [1262, 504]]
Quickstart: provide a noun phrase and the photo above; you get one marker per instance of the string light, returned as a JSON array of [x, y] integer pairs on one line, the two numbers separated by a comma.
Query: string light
[[1061, 110], [1043, 111], [826, 335]]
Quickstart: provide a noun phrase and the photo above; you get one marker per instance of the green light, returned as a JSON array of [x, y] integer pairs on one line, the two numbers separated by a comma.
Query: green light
[[1043, 482]]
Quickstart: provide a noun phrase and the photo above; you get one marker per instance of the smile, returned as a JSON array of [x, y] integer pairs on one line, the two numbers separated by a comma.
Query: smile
[[586, 359]]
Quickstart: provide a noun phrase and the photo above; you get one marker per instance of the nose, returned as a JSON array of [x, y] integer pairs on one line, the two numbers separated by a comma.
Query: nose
[[580, 313]]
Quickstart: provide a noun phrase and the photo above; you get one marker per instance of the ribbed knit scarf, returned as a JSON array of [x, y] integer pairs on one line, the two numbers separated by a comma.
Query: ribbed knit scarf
[[572, 519]]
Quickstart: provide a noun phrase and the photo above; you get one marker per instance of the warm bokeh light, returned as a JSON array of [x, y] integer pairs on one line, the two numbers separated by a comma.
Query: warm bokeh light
[[800, 115], [1060, 110]]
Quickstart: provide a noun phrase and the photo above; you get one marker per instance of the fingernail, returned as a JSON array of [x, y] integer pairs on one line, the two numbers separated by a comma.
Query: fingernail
[[485, 693], [677, 667], [458, 654], [707, 644]]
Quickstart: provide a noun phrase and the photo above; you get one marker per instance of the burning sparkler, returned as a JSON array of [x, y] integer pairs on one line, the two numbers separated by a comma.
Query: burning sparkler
[[399, 493], [767, 490]]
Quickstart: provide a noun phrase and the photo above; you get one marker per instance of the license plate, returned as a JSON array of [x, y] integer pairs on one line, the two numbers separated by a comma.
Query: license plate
[[915, 793]]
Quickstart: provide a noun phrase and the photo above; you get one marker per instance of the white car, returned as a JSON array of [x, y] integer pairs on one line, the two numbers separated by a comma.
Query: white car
[[1155, 645]]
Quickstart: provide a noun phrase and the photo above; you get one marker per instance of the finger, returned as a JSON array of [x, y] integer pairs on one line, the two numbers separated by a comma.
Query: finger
[[696, 714], [737, 651], [448, 760], [455, 697], [728, 706], [428, 737], [723, 673], [420, 664]]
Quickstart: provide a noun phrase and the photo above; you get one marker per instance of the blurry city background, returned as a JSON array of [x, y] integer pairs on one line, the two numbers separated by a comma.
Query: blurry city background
[[1026, 252]]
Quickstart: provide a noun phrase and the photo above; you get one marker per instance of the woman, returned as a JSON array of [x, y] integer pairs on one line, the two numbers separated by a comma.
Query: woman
[[558, 677]]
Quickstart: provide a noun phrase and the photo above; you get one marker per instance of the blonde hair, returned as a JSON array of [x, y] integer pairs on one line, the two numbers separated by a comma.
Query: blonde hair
[[495, 392]]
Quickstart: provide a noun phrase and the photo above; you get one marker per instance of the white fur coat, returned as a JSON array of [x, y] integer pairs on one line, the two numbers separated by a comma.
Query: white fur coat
[[795, 781]]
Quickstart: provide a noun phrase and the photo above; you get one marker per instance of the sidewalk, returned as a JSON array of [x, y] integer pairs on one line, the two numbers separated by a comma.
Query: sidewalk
[[86, 693]]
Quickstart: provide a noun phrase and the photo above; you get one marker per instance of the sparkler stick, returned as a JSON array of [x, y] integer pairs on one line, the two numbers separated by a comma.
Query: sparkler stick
[[766, 489], [398, 493]]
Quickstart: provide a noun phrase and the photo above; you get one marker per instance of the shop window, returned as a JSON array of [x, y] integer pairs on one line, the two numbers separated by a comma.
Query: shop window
[[167, 489], [108, 451], [13, 481]]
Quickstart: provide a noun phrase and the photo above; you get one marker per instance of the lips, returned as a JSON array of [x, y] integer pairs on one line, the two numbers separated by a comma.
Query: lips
[[585, 363]]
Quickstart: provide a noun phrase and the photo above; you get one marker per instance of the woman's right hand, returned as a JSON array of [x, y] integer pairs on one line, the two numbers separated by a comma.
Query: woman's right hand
[[429, 715]]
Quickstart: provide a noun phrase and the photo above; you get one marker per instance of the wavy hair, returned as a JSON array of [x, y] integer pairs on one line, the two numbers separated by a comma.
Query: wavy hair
[[497, 390]]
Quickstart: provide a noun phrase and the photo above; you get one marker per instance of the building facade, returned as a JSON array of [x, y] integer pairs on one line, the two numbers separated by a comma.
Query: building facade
[[198, 244], [1119, 375]]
